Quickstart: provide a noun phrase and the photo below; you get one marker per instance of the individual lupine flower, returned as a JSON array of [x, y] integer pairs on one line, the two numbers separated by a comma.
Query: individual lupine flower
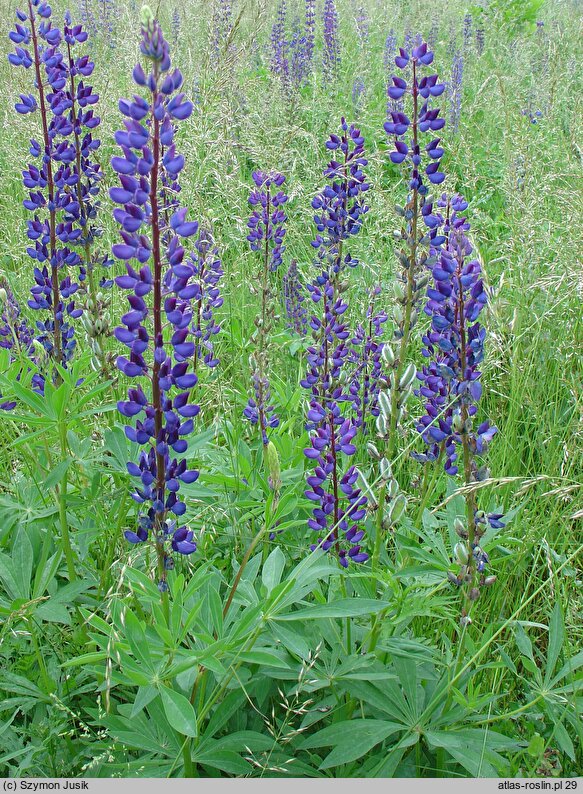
[[358, 93], [451, 383], [390, 49], [417, 237], [310, 34], [331, 56], [468, 31], [480, 39], [366, 356], [294, 296], [339, 503], [267, 232], [49, 183], [454, 90], [160, 285]]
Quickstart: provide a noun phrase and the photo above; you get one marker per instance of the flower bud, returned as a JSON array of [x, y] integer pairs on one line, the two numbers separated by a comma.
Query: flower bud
[[393, 488], [489, 580], [381, 424], [273, 465], [397, 508], [408, 376], [457, 423], [460, 528], [385, 469], [461, 553], [384, 404], [388, 355]]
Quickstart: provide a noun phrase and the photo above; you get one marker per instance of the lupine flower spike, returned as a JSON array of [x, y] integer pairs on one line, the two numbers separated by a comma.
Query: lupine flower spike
[[451, 385], [161, 286], [331, 56], [83, 205], [421, 164], [339, 505], [50, 180], [417, 235], [266, 234], [294, 296]]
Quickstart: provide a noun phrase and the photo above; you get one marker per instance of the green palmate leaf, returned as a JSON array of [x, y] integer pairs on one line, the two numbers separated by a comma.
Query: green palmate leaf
[[351, 739], [343, 608], [477, 750], [179, 711]]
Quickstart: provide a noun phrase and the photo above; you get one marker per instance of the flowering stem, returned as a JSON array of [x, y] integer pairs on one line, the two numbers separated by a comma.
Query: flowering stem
[[158, 340], [470, 496], [410, 293], [428, 484], [57, 352], [62, 501]]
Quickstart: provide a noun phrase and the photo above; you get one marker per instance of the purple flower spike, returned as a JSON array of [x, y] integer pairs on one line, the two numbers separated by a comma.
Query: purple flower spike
[[331, 57], [267, 220], [266, 235], [169, 325], [339, 506], [61, 182], [294, 294], [450, 381], [424, 118]]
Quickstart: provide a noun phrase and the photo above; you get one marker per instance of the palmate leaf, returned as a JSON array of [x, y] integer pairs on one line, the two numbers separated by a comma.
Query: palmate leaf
[[351, 739], [475, 749]]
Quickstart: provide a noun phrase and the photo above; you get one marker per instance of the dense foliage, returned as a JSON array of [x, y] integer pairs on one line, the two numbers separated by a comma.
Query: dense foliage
[[290, 390]]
